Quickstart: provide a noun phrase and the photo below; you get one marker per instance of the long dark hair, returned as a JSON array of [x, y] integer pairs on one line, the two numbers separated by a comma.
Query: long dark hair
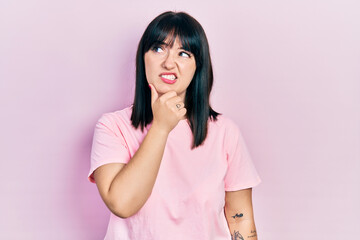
[[197, 102]]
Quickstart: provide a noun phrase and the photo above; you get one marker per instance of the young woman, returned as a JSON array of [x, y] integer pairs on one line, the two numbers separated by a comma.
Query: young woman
[[169, 166]]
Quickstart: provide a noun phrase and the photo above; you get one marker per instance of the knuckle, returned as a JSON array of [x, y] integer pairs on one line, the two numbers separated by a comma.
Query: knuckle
[[162, 100]]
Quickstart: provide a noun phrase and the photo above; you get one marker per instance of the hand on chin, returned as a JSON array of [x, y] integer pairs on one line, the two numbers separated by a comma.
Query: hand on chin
[[164, 89]]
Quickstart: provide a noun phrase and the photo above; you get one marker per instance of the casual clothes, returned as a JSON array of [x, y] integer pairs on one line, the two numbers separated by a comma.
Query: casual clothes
[[187, 201]]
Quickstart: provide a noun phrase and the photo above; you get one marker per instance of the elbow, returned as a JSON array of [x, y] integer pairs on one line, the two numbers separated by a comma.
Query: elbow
[[122, 210], [121, 214], [125, 205]]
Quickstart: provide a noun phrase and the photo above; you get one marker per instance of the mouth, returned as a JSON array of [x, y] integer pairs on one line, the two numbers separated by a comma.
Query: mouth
[[168, 77]]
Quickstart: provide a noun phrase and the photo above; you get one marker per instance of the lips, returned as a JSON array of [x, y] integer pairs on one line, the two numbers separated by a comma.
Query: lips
[[168, 77]]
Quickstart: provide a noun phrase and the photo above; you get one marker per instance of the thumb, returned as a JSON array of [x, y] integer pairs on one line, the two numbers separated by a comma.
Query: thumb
[[154, 94]]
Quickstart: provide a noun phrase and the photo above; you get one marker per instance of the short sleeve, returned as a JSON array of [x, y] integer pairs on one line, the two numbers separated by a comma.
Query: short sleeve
[[241, 172], [108, 146]]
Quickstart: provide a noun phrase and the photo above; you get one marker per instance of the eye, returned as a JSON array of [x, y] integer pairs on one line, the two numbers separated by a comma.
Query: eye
[[184, 54], [157, 49]]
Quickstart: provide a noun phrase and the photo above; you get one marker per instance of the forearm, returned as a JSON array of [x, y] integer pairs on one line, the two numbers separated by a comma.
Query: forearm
[[241, 230], [133, 185], [239, 214]]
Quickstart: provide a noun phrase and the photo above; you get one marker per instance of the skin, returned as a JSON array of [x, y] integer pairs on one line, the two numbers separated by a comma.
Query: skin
[[164, 58], [239, 214], [114, 179]]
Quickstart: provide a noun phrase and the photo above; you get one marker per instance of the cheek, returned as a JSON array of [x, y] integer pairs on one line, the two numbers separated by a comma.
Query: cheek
[[191, 70], [148, 66], [188, 68]]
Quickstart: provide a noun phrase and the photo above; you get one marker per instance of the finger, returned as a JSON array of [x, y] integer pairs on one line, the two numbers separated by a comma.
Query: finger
[[154, 93], [182, 111], [174, 100], [168, 95], [179, 105]]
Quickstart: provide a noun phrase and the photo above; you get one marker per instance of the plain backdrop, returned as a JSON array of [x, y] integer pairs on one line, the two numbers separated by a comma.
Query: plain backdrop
[[286, 71]]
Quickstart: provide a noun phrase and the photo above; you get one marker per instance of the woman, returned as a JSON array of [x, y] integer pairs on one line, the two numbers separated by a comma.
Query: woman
[[169, 166]]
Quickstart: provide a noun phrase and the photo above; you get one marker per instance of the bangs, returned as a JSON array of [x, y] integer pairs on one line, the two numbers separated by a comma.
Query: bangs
[[168, 29]]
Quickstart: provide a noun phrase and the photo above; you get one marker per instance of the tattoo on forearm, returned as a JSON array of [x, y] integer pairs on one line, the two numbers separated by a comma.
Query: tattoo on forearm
[[253, 234], [237, 215], [236, 236]]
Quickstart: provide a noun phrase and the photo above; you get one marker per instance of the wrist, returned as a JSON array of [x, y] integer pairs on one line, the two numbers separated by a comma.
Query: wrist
[[159, 128]]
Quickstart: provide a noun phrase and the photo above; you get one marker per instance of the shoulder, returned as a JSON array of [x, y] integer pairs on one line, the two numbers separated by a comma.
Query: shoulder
[[226, 123], [227, 129], [116, 118], [123, 114]]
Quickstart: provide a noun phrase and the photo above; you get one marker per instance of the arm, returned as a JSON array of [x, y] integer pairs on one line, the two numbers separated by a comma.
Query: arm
[[126, 187], [239, 214]]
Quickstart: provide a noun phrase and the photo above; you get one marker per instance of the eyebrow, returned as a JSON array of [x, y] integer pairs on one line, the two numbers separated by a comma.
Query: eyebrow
[[160, 43], [166, 44]]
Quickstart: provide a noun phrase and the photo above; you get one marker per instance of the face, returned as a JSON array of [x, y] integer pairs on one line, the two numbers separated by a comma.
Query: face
[[169, 68]]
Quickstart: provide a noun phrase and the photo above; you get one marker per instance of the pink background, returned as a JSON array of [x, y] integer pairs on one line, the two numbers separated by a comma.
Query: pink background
[[286, 71]]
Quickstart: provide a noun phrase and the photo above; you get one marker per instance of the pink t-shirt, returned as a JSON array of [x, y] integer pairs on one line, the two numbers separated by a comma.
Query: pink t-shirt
[[187, 201]]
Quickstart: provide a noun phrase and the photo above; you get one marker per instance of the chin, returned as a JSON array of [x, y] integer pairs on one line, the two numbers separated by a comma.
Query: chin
[[164, 89]]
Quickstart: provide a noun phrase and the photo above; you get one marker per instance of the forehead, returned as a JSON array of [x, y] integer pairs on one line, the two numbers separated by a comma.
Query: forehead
[[170, 41]]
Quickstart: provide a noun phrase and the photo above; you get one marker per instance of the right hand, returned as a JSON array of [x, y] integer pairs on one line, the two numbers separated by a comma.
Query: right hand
[[165, 113]]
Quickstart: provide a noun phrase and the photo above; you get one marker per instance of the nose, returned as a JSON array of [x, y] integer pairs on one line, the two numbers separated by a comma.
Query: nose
[[169, 61]]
